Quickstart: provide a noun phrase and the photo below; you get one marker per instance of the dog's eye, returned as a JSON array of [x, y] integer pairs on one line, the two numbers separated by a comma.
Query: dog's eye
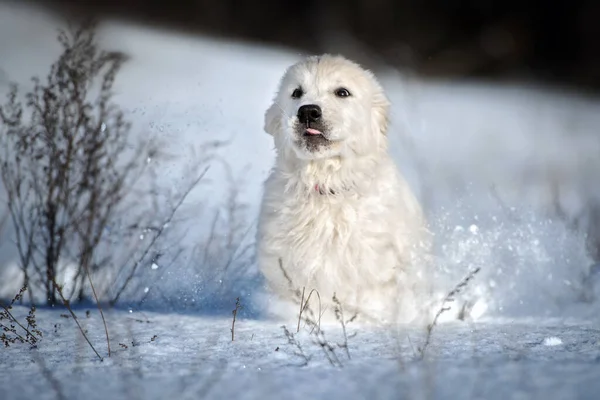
[[342, 92], [296, 94]]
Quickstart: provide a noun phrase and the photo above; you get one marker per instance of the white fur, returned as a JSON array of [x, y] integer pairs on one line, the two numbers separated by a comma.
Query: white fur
[[360, 242]]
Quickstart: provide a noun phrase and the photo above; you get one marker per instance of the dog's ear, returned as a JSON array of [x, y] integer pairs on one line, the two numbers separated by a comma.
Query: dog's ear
[[380, 113], [273, 119]]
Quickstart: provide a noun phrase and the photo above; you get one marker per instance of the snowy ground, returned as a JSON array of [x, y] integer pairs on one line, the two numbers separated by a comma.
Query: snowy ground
[[193, 357], [535, 332]]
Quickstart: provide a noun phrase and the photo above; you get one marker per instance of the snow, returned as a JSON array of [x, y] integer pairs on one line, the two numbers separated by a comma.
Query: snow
[[532, 325], [192, 356], [553, 341]]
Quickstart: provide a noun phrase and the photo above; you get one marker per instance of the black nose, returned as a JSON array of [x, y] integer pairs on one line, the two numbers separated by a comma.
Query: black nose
[[309, 113]]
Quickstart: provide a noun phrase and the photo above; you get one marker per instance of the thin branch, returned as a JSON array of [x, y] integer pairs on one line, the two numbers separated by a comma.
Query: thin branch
[[156, 236], [449, 297], [238, 306], [87, 270], [16, 321], [67, 304], [339, 315]]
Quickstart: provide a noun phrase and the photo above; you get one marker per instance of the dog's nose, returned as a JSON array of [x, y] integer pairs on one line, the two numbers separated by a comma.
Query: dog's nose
[[309, 113]]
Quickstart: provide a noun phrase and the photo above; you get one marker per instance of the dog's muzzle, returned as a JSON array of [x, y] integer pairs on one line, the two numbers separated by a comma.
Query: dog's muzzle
[[311, 126]]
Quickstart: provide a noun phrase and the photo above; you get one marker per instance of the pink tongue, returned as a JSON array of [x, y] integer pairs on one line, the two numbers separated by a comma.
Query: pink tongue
[[312, 131]]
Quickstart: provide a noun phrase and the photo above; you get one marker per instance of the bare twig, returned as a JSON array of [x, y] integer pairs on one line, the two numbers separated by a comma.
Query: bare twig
[[156, 236], [449, 297], [65, 166], [32, 333], [87, 271], [238, 306], [339, 315], [327, 348], [16, 321], [303, 308], [304, 305], [313, 321], [67, 305], [299, 351], [295, 291]]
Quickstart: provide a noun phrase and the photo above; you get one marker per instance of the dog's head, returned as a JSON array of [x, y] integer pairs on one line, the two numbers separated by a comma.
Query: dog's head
[[328, 106]]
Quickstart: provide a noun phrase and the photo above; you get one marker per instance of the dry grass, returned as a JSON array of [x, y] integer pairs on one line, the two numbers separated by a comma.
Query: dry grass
[[451, 296], [13, 331], [298, 350], [70, 170], [66, 164], [339, 316], [312, 321], [238, 306], [67, 305], [157, 234]]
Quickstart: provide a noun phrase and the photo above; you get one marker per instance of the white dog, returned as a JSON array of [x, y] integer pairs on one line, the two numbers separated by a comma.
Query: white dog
[[336, 215]]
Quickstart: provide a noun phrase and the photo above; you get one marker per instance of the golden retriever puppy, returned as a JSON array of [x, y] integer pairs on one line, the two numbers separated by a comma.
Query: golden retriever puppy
[[337, 217]]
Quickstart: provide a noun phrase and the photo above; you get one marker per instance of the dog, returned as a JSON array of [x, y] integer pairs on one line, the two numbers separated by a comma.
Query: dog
[[337, 218]]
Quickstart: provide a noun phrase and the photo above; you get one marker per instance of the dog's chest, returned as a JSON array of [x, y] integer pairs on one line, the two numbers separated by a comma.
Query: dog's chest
[[322, 228], [322, 219], [323, 241]]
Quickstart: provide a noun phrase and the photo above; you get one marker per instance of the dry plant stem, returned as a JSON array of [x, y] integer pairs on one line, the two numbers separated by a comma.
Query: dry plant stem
[[328, 349], [304, 305], [87, 271], [301, 307], [6, 309], [287, 277], [450, 296], [65, 166], [300, 296], [339, 314], [307, 314], [32, 333], [238, 306], [68, 306], [299, 352], [159, 232], [318, 322]]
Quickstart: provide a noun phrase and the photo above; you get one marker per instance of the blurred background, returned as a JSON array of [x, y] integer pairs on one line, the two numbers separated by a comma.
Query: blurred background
[[495, 122], [554, 42]]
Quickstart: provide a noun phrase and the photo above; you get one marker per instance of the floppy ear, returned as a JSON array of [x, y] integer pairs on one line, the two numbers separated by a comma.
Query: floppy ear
[[273, 119], [380, 113]]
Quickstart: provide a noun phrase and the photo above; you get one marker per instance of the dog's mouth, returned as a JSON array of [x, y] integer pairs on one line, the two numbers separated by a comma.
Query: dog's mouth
[[313, 134], [314, 139], [312, 131]]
